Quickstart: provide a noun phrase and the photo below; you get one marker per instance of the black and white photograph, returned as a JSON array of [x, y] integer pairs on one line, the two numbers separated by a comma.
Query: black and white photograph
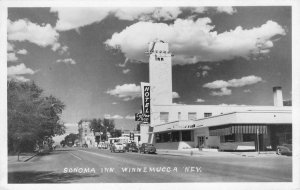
[[143, 95]]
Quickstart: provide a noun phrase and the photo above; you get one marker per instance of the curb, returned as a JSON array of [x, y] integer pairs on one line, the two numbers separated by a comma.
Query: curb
[[31, 157]]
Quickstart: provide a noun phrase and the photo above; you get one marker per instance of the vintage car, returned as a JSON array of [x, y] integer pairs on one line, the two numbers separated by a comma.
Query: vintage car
[[131, 147], [147, 148], [117, 147], [284, 149]]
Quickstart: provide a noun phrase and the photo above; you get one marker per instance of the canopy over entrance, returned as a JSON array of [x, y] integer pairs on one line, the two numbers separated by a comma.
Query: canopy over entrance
[[238, 129]]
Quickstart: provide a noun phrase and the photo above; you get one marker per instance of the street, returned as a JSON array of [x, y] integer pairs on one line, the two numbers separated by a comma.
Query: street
[[101, 166]]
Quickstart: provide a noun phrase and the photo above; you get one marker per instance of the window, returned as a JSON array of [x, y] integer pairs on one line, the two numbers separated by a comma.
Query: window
[[179, 115], [192, 115], [186, 135], [207, 114], [164, 117], [175, 136], [229, 138], [248, 137]]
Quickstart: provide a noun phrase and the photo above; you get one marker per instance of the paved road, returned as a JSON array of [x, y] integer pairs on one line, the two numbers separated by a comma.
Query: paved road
[[102, 166]]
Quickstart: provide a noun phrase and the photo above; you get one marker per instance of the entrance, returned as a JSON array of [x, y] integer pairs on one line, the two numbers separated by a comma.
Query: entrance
[[201, 141]]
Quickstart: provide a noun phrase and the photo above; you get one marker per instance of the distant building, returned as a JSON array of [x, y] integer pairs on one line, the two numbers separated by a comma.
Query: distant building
[[86, 135], [175, 126]]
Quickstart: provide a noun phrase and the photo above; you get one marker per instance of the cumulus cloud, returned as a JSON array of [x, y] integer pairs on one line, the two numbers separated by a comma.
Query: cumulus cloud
[[67, 61], [175, 95], [194, 41], [247, 90], [24, 30], [108, 116], [228, 10], [22, 52], [234, 83], [126, 91], [12, 57], [72, 18], [199, 100], [130, 117], [16, 72], [10, 47], [125, 71], [222, 92]]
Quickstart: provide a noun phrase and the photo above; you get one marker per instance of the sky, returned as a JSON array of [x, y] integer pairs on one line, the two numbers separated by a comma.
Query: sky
[[93, 58]]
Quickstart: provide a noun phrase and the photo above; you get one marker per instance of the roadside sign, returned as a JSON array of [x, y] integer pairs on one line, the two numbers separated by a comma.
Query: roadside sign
[[138, 117], [131, 136]]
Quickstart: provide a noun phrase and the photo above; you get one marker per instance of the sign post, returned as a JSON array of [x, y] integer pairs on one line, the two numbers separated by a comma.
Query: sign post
[[257, 132]]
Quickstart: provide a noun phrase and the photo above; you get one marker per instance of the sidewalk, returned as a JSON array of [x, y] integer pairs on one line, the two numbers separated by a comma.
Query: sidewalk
[[24, 157], [199, 153]]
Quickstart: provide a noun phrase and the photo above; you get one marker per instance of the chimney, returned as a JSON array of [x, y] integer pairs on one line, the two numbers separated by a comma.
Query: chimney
[[277, 95]]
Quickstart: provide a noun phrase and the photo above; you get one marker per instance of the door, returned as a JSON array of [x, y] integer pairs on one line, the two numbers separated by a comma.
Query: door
[[201, 141]]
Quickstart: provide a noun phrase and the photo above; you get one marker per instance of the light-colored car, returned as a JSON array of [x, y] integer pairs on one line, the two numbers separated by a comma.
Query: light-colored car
[[117, 147]]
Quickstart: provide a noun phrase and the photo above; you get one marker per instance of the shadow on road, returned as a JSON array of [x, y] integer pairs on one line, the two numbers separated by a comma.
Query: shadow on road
[[45, 177]]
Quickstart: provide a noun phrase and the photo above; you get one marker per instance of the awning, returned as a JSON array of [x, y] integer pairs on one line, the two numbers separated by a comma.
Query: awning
[[238, 129]]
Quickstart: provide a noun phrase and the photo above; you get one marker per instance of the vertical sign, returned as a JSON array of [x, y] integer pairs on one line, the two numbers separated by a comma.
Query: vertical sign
[[146, 101]]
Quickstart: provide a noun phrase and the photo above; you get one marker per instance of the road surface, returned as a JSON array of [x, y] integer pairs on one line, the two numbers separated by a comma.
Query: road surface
[[101, 166]]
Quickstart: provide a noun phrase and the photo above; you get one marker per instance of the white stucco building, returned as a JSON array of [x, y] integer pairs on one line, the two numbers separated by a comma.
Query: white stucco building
[[176, 126], [86, 135]]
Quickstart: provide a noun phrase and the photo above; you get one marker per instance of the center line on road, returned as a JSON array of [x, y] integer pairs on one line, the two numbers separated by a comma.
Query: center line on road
[[75, 156]]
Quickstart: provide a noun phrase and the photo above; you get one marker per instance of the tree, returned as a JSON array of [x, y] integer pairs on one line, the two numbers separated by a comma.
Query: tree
[[32, 117], [71, 138]]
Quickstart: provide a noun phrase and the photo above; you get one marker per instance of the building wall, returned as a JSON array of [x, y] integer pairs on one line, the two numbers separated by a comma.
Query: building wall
[[200, 110], [87, 136], [160, 68]]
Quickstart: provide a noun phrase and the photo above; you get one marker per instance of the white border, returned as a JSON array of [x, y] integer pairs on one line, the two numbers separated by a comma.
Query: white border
[[143, 3]]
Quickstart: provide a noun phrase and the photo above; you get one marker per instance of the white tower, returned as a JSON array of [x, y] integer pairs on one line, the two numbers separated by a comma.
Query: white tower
[[160, 73], [277, 95]]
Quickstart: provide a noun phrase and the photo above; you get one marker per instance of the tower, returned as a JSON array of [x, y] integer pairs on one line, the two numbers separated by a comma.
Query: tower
[[160, 73]]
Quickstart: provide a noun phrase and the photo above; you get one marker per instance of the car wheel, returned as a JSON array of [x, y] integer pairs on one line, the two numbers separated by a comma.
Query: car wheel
[[278, 151]]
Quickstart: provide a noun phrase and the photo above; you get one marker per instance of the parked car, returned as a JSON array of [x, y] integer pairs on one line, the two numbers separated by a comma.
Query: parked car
[[131, 147], [147, 148], [284, 149], [117, 147]]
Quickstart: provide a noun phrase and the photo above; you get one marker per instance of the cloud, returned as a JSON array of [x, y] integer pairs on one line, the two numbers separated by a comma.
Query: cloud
[[228, 10], [10, 47], [194, 41], [73, 18], [222, 92], [12, 57], [175, 95], [22, 52], [67, 61], [71, 128], [108, 116], [130, 117], [114, 103], [14, 72], [125, 71], [199, 100], [126, 91], [234, 83], [247, 90], [24, 30]]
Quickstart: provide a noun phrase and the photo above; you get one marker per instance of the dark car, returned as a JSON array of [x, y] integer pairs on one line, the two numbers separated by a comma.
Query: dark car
[[284, 149], [131, 147], [147, 148]]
